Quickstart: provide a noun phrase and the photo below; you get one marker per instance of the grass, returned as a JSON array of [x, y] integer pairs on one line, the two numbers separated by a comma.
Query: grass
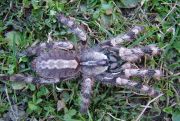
[[23, 22]]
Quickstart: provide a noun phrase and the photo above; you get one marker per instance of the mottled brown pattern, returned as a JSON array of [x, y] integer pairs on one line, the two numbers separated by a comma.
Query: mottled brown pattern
[[86, 92], [135, 54], [76, 29], [57, 73], [105, 62], [126, 37]]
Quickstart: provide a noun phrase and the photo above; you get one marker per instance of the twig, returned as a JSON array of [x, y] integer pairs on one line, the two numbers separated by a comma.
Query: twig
[[13, 112], [49, 37], [115, 117], [142, 112], [169, 13], [10, 7]]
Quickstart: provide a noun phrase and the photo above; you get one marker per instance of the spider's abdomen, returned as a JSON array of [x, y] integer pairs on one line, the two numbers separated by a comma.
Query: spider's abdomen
[[58, 64]]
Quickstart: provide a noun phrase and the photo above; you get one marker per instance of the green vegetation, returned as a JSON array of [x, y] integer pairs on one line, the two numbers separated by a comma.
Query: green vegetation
[[24, 22]]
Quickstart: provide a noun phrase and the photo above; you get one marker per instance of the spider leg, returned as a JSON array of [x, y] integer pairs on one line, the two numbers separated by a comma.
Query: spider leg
[[128, 65], [28, 79], [130, 70], [134, 54], [86, 94], [132, 85], [75, 28], [45, 46], [126, 37], [142, 73]]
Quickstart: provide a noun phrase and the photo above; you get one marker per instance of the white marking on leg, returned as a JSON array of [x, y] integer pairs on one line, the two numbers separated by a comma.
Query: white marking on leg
[[121, 81], [132, 84], [126, 66], [155, 50], [83, 36], [70, 23], [63, 45], [130, 54], [158, 74], [116, 40], [145, 88], [135, 72], [136, 31], [87, 86], [29, 79], [126, 37], [43, 45]]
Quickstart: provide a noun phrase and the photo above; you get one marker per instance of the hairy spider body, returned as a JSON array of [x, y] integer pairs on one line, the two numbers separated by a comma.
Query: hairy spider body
[[106, 62]]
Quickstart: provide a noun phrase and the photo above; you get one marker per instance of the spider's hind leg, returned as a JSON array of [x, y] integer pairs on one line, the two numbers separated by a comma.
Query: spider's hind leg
[[45, 46], [28, 79], [131, 84], [86, 94]]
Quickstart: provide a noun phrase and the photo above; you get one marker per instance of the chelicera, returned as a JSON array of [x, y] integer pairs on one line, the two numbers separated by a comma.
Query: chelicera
[[107, 62]]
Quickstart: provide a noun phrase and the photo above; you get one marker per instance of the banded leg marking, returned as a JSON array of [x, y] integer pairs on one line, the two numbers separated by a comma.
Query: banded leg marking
[[132, 85], [30, 79], [4, 77], [86, 94], [127, 37], [143, 73], [42, 47], [128, 65], [139, 86], [134, 54], [76, 29]]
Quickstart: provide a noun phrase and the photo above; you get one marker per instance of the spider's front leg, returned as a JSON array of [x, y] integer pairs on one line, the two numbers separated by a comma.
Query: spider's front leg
[[130, 70], [142, 73], [75, 28], [45, 46], [135, 54], [28, 79], [86, 92], [126, 37]]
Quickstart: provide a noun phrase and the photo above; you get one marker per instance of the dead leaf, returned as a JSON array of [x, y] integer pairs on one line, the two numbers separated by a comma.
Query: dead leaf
[[60, 105]]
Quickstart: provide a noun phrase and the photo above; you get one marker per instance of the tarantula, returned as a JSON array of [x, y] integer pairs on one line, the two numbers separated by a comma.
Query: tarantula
[[106, 62]]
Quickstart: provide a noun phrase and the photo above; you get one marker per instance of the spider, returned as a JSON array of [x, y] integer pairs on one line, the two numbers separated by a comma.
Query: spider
[[107, 62]]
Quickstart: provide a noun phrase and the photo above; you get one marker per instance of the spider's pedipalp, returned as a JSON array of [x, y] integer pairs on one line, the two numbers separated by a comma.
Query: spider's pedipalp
[[86, 94], [142, 73], [75, 28], [134, 54], [126, 37], [45, 46], [132, 84]]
